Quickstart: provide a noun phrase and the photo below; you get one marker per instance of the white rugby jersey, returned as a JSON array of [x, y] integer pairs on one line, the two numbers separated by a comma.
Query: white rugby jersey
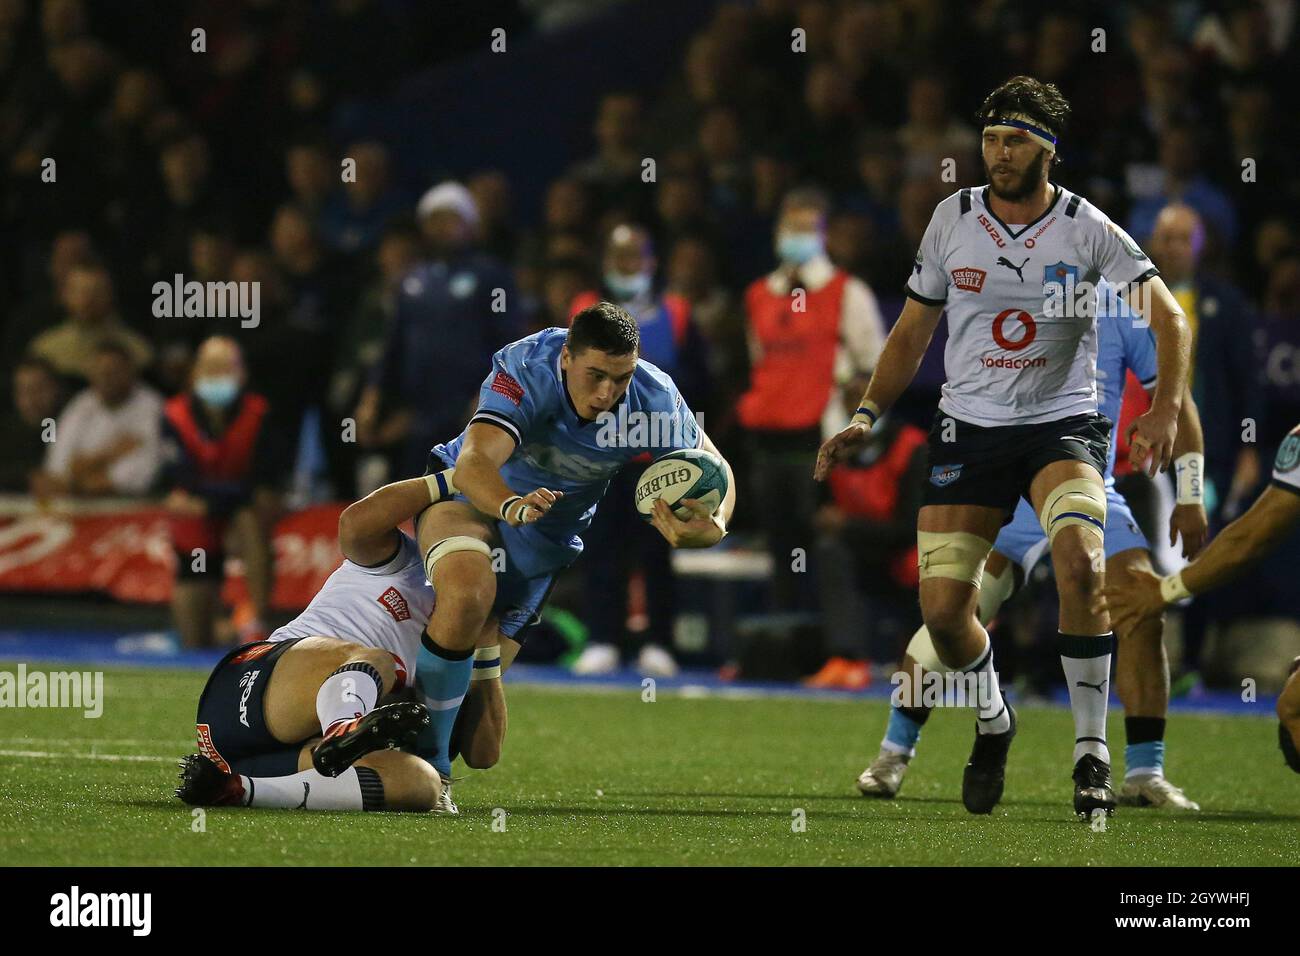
[[1008, 362], [1286, 466], [385, 606]]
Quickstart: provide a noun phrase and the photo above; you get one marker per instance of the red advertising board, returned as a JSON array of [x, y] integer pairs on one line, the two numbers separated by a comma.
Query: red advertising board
[[125, 552]]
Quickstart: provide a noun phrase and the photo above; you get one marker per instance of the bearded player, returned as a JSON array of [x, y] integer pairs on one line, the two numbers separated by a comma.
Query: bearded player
[[1241, 545], [1018, 415], [1142, 670], [530, 468]]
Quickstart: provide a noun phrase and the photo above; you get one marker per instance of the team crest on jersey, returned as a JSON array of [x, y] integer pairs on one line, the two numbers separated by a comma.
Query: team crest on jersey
[[942, 475], [1288, 454], [395, 604], [1060, 274], [968, 278], [505, 384]]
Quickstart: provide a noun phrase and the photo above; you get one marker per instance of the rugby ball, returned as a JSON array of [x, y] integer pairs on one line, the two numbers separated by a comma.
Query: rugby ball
[[694, 473]]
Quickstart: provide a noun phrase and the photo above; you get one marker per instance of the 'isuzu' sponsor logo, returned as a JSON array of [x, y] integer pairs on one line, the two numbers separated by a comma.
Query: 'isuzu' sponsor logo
[[992, 231]]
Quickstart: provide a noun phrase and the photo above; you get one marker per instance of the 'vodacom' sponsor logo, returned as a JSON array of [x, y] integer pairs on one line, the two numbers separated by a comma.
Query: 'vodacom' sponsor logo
[[1033, 240], [1021, 316], [1030, 330]]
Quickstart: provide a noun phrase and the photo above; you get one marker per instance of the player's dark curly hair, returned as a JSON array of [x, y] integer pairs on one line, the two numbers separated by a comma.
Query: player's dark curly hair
[[603, 326], [1024, 94]]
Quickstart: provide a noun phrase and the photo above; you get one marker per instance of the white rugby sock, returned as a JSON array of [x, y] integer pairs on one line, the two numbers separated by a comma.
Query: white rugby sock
[[992, 709], [1086, 662], [350, 692], [357, 788]]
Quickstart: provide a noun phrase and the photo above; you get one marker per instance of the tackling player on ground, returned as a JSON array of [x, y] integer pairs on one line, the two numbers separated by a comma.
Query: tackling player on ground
[[1142, 596], [1142, 670], [304, 718], [1018, 413]]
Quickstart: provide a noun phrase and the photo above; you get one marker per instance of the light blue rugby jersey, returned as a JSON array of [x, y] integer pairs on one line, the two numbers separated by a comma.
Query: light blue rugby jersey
[[1124, 342], [525, 396]]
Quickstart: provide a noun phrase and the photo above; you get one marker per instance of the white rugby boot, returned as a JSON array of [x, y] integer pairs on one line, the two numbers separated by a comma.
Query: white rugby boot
[[885, 775], [1153, 790], [445, 806]]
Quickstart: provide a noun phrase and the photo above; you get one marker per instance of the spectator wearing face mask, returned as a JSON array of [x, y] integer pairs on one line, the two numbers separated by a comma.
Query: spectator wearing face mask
[[809, 324], [221, 468], [619, 545]]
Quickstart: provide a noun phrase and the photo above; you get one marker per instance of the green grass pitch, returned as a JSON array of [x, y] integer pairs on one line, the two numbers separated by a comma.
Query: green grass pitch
[[605, 778]]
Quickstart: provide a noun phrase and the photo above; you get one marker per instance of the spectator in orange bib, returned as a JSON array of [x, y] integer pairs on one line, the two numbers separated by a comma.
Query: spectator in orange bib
[[809, 323], [221, 469]]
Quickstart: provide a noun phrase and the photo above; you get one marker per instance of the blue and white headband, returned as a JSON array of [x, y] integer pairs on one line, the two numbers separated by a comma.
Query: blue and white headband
[[1025, 124]]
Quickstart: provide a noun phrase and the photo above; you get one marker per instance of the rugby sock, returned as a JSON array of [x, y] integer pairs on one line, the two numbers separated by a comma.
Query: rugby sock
[[442, 679], [1144, 752], [1085, 659], [992, 714], [348, 693], [904, 729], [357, 788]]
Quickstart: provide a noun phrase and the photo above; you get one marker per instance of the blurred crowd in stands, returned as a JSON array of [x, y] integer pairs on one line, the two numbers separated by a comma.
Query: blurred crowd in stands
[[795, 146]]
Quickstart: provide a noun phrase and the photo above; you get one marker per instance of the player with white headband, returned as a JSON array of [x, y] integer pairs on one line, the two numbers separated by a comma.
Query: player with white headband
[[1142, 669], [1015, 265]]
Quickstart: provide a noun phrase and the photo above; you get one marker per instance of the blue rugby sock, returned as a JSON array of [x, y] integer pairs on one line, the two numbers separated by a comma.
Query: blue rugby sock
[[1144, 752], [442, 679], [904, 729]]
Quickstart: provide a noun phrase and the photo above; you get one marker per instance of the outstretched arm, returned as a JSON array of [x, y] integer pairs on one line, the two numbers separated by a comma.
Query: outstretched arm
[[901, 357], [368, 528], [1237, 547]]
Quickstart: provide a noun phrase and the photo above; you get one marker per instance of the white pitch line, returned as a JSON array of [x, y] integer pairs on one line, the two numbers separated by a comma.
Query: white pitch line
[[51, 755], [98, 741]]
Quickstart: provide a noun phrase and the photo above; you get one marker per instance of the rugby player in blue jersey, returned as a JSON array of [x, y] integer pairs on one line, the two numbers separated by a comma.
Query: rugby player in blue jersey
[[529, 470], [1142, 671]]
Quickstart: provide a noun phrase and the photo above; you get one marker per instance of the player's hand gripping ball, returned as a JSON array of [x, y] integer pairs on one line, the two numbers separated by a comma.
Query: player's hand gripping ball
[[694, 473]]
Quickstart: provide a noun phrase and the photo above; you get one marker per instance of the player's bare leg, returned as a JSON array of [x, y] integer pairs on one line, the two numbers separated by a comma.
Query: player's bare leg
[[1142, 682], [456, 541], [1070, 500], [327, 686], [954, 542], [1288, 715], [908, 711], [481, 725]]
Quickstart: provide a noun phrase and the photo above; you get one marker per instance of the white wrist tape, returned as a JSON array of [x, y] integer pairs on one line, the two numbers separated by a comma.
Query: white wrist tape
[[1189, 478], [441, 485], [487, 663], [1173, 590], [868, 414], [512, 503]]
